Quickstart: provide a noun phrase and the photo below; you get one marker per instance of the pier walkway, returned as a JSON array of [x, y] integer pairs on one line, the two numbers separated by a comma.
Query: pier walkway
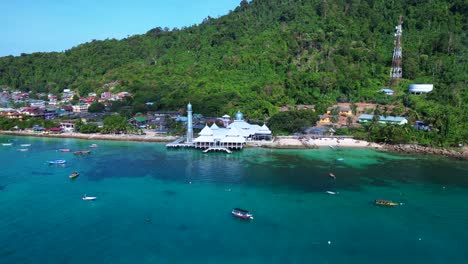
[[179, 143], [217, 149]]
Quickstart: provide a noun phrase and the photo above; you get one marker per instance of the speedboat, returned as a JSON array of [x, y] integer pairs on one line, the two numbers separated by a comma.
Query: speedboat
[[74, 175], [23, 149], [88, 198], [330, 192], [93, 146], [57, 162], [332, 175], [241, 213], [25, 145], [7, 144], [64, 150], [385, 203]]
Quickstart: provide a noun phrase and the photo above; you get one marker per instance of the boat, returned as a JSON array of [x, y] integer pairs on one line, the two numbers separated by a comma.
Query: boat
[[74, 175], [7, 144], [385, 203], [241, 213], [332, 175], [57, 162], [82, 152], [23, 149], [88, 198], [330, 192], [340, 159], [64, 150], [25, 145], [93, 146]]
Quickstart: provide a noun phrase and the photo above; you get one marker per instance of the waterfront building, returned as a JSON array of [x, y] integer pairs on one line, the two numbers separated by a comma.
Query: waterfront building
[[365, 118], [234, 136]]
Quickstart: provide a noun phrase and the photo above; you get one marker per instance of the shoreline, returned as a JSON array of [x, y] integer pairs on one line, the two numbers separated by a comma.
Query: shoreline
[[279, 142]]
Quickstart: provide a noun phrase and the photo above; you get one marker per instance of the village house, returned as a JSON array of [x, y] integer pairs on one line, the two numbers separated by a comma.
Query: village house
[[80, 108], [365, 119]]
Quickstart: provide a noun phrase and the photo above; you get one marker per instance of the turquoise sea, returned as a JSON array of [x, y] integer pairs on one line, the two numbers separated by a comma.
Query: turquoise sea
[[173, 206]]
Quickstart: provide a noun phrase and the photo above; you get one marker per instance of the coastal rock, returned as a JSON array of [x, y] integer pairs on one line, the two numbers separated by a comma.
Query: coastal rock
[[412, 148]]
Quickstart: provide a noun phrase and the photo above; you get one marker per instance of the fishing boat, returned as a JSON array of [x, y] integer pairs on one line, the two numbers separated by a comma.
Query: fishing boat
[[25, 145], [82, 152], [57, 162], [74, 175], [64, 150], [385, 203], [241, 213], [93, 146], [88, 198], [7, 144]]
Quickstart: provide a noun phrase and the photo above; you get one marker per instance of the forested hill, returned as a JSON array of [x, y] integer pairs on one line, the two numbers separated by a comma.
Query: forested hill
[[268, 53]]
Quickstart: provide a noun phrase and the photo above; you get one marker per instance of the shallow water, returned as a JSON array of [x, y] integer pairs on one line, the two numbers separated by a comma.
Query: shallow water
[[173, 206]]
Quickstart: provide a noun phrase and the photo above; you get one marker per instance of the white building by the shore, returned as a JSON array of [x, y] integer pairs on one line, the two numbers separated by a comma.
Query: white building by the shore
[[234, 136]]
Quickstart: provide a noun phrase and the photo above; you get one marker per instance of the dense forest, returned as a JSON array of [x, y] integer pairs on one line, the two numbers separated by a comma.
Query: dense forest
[[269, 53]]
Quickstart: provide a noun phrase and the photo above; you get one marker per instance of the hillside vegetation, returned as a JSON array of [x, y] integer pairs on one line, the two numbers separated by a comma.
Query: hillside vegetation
[[268, 53]]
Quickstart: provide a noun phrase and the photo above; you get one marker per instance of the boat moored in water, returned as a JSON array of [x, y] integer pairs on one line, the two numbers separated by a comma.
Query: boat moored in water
[[64, 150], [74, 175], [241, 213], [385, 203], [88, 198], [7, 144], [93, 146], [82, 152], [25, 145], [57, 162]]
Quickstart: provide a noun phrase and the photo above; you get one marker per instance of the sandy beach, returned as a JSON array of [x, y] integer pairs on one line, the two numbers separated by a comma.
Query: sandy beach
[[303, 143], [149, 137]]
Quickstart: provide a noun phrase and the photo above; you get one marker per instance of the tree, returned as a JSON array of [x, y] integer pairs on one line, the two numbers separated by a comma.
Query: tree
[[96, 108], [116, 124]]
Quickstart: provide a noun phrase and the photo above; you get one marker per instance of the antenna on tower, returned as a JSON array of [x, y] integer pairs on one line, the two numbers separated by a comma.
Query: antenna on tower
[[397, 71]]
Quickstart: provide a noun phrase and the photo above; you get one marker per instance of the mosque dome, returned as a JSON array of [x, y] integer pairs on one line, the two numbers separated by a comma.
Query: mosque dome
[[239, 116]]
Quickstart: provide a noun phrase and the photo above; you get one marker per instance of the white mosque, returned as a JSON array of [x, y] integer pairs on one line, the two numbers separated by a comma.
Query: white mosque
[[234, 136]]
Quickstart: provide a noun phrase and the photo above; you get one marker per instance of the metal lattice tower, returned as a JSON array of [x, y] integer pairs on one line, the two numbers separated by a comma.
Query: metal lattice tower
[[397, 71]]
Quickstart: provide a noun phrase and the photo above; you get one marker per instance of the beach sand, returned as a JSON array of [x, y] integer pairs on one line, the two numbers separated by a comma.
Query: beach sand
[[149, 137]]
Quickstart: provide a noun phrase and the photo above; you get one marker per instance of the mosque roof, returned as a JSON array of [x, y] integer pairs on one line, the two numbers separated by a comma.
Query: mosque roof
[[206, 131], [214, 127]]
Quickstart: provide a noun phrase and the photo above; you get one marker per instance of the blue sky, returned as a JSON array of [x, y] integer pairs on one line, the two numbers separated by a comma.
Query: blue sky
[[28, 26]]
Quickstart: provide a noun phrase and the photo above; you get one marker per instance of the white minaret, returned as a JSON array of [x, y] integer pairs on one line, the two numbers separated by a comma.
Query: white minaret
[[189, 124]]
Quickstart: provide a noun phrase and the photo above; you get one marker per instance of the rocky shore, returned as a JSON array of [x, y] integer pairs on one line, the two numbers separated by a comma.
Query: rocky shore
[[461, 153]]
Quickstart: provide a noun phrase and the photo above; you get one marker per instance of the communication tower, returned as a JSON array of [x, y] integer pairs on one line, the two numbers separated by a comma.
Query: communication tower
[[397, 71]]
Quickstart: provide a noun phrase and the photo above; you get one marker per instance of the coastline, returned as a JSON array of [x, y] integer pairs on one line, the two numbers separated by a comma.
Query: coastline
[[279, 142], [151, 137]]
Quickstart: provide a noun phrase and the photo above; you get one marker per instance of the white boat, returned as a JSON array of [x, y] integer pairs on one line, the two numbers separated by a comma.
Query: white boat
[[93, 146], [330, 192], [7, 144], [23, 149], [59, 161], [88, 198], [25, 145]]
